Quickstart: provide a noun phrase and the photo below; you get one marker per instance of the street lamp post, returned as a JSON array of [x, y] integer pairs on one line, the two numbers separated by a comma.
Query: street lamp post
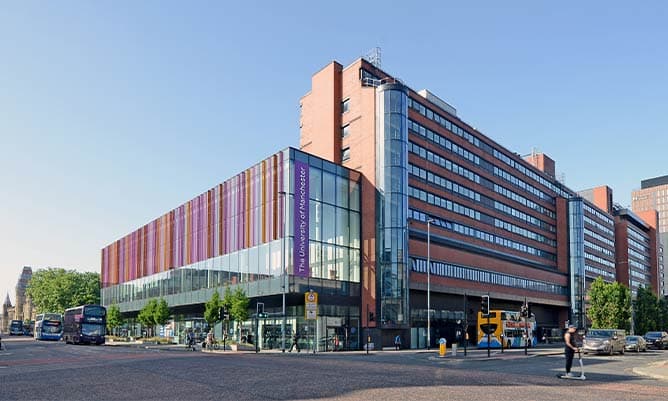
[[429, 221], [285, 268]]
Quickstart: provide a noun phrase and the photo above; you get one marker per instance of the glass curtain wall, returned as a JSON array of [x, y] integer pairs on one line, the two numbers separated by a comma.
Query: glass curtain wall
[[577, 261], [392, 203]]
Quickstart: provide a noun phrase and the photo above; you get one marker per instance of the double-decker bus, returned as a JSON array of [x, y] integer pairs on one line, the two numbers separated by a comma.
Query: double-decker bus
[[85, 324], [507, 328], [48, 326], [16, 328]]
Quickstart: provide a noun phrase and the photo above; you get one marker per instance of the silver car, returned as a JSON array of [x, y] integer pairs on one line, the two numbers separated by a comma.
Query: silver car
[[605, 341], [635, 343]]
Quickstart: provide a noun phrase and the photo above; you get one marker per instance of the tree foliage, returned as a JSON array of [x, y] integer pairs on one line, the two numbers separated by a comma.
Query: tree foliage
[[646, 311], [145, 316], [212, 309], [240, 302], [114, 318], [155, 312], [161, 312], [663, 314], [609, 305], [54, 290]]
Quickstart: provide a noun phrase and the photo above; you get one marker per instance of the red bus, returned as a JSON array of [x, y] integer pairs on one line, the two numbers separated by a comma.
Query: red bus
[[85, 324]]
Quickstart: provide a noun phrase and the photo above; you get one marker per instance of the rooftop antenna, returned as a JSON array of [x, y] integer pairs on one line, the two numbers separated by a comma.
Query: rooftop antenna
[[373, 56]]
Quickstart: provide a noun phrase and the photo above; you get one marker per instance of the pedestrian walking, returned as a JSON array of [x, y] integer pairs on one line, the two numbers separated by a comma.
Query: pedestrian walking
[[570, 348], [295, 342], [397, 342]]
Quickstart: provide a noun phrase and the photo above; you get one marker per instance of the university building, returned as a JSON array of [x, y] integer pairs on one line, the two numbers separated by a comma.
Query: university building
[[287, 225], [653, 195], [399, 214]]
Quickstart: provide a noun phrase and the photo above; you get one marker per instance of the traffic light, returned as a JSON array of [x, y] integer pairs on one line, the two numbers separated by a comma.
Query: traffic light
[[484, 305], [262, 315]]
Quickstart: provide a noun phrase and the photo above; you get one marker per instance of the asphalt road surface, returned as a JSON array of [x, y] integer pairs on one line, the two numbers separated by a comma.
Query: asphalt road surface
[[31, 370]]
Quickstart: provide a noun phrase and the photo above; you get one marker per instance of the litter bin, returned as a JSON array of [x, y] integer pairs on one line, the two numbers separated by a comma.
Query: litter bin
[[441, 347]]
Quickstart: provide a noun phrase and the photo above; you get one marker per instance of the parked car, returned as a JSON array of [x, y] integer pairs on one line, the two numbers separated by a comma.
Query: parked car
[[635, 343], [605, 341], [657, 339]]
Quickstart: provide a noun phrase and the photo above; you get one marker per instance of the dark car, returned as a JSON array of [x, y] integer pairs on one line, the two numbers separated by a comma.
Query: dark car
[[635, 343], [656, 339]]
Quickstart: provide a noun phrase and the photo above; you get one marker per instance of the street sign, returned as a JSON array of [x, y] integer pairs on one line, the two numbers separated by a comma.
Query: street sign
[[311, 303]]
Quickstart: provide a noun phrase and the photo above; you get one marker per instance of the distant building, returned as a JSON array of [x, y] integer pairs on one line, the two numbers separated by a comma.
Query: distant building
[[7, 315], [23, 309], [653, 195]]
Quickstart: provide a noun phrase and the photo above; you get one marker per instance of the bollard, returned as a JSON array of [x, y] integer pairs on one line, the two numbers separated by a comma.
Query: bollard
[[441, 347], [454, 349]]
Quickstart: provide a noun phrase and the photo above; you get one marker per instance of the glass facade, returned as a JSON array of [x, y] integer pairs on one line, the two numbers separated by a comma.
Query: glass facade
[[577, 261], [333, 241], [392, 203]]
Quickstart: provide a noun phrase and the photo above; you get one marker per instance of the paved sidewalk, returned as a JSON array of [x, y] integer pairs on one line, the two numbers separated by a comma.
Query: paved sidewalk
[[656, 370]]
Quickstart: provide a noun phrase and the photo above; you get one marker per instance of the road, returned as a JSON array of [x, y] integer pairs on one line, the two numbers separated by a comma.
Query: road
[[31, 370]]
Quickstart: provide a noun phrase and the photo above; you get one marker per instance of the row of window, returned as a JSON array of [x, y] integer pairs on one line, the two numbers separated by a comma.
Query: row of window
[[600, 215], [599, 226], [474, 140], [638, 246], [638, 255], [443, 122], [524, 201], [442, 141], [478, 275], [599, 249], [518, 214], [434, 199], [640, 275], [445, 184], [443, 162], [600, 272], [637, 236], [530, 173], [637, 265], [481, 235], [499, 172], [471, 157], [524, 232], [600, 260], [461, 190], [599, 237], [470, 175]]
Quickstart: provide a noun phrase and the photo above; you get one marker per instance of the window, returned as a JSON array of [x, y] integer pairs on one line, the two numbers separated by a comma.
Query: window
[[345, 154], [345, 130], [345, 106]]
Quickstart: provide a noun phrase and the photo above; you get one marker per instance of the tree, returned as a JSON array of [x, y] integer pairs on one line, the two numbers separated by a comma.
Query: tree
[[54, 290], [145, 316], [609, 305], [646, 310], [239, 309], [663, 313], [161, 312], [621, 296], [114, 318], [212, 309]]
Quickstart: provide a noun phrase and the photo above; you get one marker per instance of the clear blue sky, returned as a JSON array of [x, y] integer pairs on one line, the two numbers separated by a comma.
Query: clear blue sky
[[112, 113]]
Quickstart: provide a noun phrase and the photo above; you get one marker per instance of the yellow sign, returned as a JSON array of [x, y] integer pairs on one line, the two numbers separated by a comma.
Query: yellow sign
[[311, 302]]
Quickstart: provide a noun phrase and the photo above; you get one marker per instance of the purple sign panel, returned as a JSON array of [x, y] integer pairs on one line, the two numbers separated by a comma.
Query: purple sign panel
[[301, 216]]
